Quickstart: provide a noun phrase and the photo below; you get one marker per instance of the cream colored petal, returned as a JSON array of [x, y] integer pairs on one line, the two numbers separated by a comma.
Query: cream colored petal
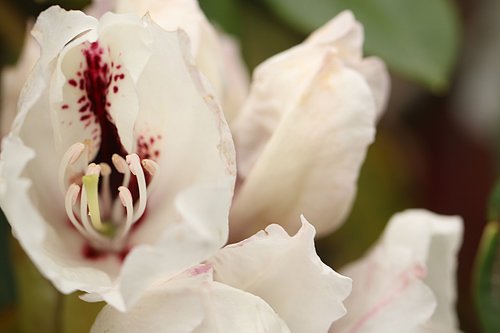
[[406, 283], [186, 15], [193, 304], [236, 78], [312, 160], [376, 75], [286, 272], [342, 32]]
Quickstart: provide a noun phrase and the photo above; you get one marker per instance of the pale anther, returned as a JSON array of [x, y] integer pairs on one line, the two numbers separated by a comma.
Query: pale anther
[[127, 202], [153, 169], [70, 157], [136, 168], [69, 202]]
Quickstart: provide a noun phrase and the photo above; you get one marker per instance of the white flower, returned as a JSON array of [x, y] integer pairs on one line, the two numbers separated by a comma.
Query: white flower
[[406, 283], [303, 132], [119, 167], [270, 282]]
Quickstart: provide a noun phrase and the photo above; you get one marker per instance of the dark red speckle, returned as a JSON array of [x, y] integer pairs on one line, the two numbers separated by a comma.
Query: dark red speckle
[[65, 106], [94, 80]]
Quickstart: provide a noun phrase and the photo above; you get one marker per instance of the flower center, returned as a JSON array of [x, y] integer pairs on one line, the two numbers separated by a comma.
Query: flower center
[[105, 221]]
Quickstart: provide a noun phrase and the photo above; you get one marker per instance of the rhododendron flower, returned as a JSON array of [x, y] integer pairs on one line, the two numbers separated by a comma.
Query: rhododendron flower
[[303, 132], [119, 167], [270, 282], [406, 283]]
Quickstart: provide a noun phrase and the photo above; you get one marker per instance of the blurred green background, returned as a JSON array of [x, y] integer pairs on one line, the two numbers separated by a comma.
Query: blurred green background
[[436, 145]]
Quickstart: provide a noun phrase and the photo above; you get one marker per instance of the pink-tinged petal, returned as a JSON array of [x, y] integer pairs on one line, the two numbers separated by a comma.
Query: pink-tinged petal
[[310, 164], [193, 303], [406, 283], [286, 272]]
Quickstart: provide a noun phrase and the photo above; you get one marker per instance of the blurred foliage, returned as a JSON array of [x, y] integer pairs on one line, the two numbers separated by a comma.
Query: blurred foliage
[[417, 39], [487, 269], [487, 279]]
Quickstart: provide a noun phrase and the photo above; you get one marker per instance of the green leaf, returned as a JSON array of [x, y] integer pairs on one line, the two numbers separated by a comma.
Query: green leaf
[[487, 279], [222, 12], [417, 39]]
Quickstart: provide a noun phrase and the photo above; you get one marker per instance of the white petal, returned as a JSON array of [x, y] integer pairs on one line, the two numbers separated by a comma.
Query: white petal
[[375, 73], [194, 232], [286, 272], [186, 15], [342, 32], [310, 164], [54, 247], [236, 79], [171, 92], [396, 284], [193, 304]]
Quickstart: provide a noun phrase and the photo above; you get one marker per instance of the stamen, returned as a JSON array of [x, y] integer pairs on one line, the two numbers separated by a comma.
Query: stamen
[[70, 157], [69, 202], [90, 184], [106, 189], [122, 167], [153, 169], [127, 202], [136, 168]]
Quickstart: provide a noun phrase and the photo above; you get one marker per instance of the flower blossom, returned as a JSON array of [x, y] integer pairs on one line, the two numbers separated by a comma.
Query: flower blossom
[[406, 283], [305, 123], [119, 167], [304, 129], [270, 282]]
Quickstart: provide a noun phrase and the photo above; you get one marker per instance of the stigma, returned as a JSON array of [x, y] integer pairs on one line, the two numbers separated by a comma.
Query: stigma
[[104, 220]]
